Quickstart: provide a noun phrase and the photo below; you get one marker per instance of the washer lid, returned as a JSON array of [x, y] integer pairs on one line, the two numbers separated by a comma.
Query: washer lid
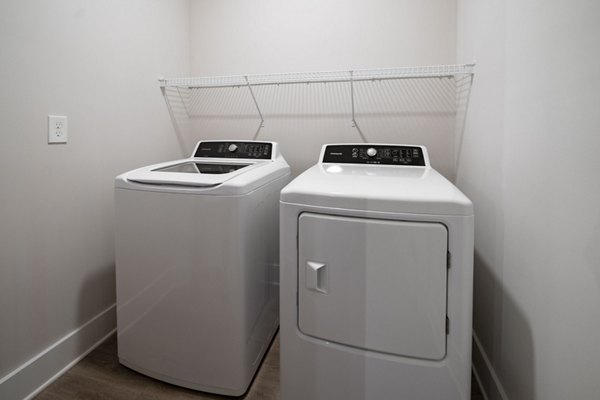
[[204, 176], [216, 167], [191, 172], [385, 188]]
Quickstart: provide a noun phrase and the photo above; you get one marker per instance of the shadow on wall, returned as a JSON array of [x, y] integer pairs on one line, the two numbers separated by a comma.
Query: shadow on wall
[[504, 332]]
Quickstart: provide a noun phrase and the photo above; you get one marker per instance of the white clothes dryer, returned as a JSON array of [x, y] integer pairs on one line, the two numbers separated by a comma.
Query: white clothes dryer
[[197, 256], [376, 278]]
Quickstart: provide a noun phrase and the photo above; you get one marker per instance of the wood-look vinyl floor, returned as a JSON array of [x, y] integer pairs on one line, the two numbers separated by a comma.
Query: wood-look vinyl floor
[[99, 376]]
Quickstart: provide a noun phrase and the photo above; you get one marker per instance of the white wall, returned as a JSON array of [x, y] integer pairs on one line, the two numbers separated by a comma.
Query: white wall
[[248, 37], [530, 164], [230, 37], [97, 63]]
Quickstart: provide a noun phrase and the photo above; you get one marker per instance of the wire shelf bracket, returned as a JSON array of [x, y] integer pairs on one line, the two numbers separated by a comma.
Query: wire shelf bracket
[[262, 120]]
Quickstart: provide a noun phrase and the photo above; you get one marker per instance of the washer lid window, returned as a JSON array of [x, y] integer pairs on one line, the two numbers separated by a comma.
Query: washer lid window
[[193, 172], [201, 168]]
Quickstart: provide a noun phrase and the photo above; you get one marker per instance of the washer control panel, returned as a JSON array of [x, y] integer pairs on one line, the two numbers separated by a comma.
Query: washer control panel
[[256, 150], [374, 154]]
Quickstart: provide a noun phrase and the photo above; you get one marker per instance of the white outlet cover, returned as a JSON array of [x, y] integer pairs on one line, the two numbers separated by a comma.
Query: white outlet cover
[[57, 129]]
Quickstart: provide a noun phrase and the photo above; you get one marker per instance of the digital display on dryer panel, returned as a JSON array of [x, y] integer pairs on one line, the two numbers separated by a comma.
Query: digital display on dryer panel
[[227, 149], [374, 154]]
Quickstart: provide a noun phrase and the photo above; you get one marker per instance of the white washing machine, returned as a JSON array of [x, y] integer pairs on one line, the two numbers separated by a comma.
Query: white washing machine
[[376, 278], [197, 256]]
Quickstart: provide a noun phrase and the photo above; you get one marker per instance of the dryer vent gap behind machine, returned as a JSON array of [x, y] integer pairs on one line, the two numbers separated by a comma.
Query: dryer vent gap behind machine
[[197, 264], [376, 278]]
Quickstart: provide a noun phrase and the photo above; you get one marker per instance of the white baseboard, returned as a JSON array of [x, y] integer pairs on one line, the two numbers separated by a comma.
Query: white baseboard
[[33, 376], [486, 377]]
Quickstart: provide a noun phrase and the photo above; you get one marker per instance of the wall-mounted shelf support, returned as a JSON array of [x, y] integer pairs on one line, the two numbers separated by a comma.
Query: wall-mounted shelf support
[[262, 120], [352, 96], [354, 123]]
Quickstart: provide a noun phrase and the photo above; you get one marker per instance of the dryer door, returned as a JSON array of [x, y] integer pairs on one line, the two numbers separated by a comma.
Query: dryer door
[[373, 284]]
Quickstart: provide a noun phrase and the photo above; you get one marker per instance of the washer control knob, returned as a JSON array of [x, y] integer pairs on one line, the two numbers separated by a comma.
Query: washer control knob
[[232, 147], [371, 152]]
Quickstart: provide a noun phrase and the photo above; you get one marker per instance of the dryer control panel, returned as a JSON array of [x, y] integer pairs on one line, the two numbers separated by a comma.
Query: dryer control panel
[[230, 149], [374, 154]]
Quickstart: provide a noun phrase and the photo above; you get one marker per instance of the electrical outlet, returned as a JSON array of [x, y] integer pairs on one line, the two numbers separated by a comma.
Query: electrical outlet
[[57, 129]]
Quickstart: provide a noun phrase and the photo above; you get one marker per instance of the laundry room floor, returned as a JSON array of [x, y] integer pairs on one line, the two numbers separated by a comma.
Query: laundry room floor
[[100, 376]]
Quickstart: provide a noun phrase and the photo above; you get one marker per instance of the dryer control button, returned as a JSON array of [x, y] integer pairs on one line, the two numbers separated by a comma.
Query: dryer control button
[[232, 147], [371, 152]]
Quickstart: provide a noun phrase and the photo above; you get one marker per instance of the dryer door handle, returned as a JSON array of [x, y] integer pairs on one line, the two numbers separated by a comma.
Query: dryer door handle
[[317, 277]]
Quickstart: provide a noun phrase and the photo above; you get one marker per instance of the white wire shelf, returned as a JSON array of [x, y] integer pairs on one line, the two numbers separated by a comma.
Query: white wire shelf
[[407, 101], [434, 71]]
